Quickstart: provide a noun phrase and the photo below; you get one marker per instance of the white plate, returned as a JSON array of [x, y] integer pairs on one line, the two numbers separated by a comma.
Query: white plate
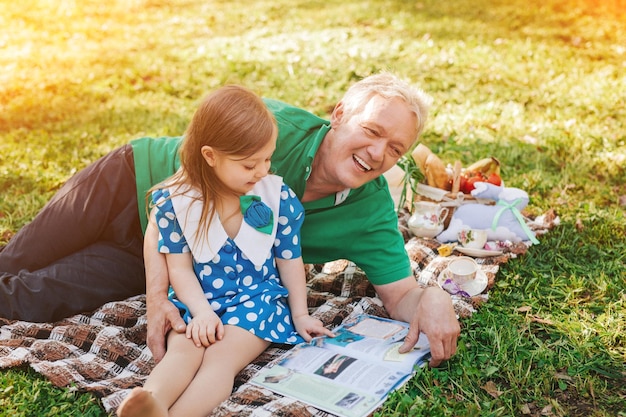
[[473, 287], [479, 253]]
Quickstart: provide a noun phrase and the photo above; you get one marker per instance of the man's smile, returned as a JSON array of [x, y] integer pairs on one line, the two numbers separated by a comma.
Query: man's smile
[[363, 166]]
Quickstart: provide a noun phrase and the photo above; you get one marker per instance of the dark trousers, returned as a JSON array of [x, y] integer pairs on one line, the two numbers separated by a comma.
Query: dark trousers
[[83, 249]]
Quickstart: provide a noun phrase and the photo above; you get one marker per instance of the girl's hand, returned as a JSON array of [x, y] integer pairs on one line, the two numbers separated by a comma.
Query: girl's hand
[[308, 327], [205, 329]]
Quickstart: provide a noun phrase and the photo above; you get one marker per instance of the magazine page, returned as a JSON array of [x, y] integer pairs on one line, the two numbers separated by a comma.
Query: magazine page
[[333, 382], [378, 339], [348, 375]]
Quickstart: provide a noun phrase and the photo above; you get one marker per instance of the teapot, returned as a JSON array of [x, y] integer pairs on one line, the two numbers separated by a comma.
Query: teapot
[[427, 219]]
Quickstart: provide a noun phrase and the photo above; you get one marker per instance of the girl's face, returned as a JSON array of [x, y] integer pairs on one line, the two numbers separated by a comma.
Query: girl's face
[[240, 173]]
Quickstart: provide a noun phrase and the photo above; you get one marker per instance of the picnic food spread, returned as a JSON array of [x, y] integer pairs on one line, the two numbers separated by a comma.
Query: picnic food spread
[[458, 178], [475, 202]]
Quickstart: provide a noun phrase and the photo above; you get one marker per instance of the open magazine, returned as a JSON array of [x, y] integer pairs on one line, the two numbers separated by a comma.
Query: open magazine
[[351, 374]]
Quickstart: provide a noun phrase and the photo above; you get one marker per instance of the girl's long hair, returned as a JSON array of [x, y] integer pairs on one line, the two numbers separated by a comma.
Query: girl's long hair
[[232, 120]]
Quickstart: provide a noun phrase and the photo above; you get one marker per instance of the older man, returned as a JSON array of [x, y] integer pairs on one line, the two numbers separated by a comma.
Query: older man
[[84, 248]]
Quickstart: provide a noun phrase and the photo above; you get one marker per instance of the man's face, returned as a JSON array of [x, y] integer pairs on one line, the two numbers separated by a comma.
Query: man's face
[[371, 141]]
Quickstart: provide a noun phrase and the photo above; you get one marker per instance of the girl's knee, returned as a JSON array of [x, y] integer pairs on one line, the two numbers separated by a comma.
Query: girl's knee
[[179, 344]]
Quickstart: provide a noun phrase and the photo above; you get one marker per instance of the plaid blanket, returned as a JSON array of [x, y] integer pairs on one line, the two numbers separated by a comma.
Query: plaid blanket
[[104, 352]]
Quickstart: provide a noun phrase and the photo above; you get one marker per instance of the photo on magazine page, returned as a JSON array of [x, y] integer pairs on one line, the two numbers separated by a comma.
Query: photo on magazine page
[[350, 374]]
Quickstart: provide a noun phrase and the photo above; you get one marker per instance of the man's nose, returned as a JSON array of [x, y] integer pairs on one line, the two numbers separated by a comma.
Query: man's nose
[[377, 150]]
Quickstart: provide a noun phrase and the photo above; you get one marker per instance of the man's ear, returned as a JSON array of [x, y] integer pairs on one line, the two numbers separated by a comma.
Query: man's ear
[[337, 115], [208, 153]]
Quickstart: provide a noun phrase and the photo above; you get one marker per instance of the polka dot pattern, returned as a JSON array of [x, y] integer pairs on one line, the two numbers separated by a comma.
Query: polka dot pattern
[[243, 295]]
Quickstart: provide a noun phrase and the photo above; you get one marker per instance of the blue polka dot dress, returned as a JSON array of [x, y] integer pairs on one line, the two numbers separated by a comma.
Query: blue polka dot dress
[[238, 276]]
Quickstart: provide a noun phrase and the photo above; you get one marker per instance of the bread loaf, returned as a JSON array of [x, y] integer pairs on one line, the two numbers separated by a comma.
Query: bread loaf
[[436, 174], [432, 167]]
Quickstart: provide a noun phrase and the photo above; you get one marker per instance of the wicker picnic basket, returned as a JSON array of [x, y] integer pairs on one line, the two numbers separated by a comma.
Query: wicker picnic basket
[[441, 184], [450, 199]]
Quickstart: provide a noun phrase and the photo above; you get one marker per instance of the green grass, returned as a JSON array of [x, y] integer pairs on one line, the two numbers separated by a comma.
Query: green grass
[[539, 84], [26, 393]]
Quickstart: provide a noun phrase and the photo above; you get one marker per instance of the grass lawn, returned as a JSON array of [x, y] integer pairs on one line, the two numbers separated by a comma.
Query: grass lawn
[[540, 84]]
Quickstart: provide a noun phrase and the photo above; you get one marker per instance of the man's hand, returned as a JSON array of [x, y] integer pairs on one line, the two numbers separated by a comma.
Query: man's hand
[[427, 310], [161, 313], [435, 317], [162, 317]]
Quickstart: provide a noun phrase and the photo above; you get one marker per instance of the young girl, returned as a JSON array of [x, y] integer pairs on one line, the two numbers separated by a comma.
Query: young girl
[[230, 233]]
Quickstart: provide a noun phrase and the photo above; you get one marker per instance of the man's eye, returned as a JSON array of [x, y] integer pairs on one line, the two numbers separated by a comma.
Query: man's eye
[[248, 167], [396, 152], [371, 131]]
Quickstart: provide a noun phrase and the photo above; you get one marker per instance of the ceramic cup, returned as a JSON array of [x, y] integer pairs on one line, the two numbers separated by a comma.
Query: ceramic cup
[[462, 269], [473, 238]]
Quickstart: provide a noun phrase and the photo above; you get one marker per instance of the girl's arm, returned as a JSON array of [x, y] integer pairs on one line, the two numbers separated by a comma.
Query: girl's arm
[[205, 327], [293, 278], [185, 283]]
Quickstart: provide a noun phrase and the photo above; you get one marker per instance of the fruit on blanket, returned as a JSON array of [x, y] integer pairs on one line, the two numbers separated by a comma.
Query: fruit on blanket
[[463, 184], [469, 179], [485, 170], [485, 166], [494, 179], [437, 175]]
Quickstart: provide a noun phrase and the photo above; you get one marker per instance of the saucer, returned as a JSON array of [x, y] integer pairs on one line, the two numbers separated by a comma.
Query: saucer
[[473, 287], [478, 253]]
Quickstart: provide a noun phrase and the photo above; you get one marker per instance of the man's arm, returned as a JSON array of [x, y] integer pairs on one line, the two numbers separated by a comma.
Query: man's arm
[[162, 314], [427, 310]]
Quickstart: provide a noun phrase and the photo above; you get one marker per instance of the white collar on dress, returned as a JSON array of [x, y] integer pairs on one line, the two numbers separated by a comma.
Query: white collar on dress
[[254, 244]]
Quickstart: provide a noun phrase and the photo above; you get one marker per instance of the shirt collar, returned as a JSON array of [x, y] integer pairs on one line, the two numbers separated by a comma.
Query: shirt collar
[[341, 196], [312, 150]]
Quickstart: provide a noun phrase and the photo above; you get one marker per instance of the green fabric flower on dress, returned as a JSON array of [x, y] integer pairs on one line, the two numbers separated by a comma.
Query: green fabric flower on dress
[[256, 213]]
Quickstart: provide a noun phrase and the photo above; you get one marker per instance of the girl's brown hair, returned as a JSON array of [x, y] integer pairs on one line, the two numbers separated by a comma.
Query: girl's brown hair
[[232, 120]]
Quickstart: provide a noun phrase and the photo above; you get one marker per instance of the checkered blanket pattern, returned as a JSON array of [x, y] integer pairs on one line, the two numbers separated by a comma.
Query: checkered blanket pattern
[[104, 352]]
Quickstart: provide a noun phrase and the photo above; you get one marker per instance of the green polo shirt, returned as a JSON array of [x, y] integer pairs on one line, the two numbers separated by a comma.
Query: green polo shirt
[[361, 227], [155, 160]]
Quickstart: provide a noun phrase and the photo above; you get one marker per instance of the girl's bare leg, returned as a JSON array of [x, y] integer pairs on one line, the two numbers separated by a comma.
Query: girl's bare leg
[[214, 381], [166, 382]]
